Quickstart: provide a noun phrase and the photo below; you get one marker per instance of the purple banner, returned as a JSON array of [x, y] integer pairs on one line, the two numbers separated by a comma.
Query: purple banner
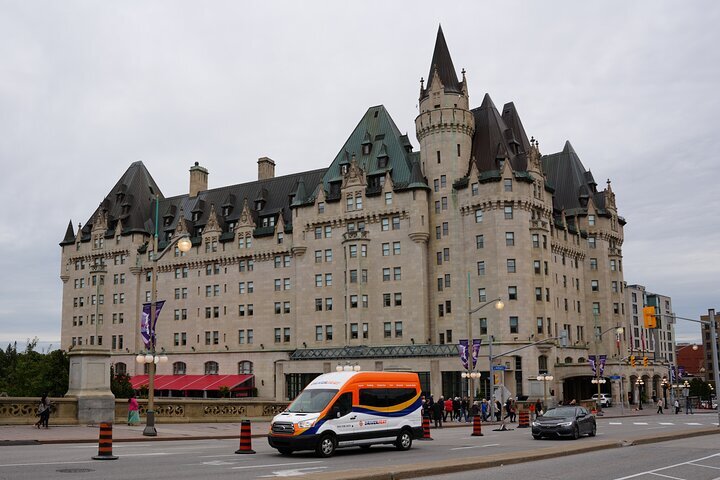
[[672, 374], [591, 361], [145, 322], [475, 351], [603, 358], [681, 372], [463, 349]]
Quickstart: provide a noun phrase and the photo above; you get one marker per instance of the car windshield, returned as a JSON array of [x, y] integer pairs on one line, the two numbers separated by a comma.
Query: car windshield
[[560, 412], [312, 401]]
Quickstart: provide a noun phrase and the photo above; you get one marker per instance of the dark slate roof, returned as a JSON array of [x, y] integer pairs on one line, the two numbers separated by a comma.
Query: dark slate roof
[[574, 185], [446, 70], [278, 194], [69, 238], [378, 126], [130, 200]]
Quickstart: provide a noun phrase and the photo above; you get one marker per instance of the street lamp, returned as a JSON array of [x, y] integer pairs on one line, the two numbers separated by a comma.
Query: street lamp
[[184, 244], [499, 305], [664, 384], [545, 378], [640, 384], [597, 380]]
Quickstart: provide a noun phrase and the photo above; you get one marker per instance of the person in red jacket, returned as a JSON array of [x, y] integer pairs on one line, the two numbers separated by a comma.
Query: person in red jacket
[[448, 409]]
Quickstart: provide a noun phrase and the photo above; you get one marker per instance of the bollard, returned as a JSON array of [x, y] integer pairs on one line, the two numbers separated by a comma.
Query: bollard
[[105, 443], [426, 428], [477, 426], [245, 438], [524, 419]]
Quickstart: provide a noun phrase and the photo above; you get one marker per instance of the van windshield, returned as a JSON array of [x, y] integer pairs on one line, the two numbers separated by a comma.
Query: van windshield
[[312, 401]]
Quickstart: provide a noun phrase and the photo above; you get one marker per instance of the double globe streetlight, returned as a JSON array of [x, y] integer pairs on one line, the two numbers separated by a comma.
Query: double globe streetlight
[[151, 358], [470, 374], [545, 378]]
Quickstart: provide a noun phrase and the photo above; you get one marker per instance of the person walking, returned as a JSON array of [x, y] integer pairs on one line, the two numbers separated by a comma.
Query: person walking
[[133, 411], [43, 412], [660, 406], [448, 409], [538, 407], [437, 411], [484, 409], [688, 406], [498, 410]]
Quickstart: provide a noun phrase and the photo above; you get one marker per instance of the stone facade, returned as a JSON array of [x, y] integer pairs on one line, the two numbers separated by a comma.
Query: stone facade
[[386, 248]]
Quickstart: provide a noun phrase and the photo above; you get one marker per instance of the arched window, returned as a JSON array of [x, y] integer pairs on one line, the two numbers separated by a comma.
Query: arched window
[[245, 367], [211, 368], [542, 364], [568, 360], [179, 368], [582, 360], [120, 368]]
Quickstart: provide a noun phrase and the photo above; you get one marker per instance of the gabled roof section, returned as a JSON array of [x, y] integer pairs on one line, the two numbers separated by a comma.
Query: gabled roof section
[[277, 193], [512, 120], [386, 139], [442, 61], [574, 185], [130, 200]]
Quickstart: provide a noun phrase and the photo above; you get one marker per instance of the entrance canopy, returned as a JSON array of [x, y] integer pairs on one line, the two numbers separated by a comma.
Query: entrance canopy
[[186, 383]]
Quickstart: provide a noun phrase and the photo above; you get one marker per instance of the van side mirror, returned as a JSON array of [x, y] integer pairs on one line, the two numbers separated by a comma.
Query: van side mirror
[[335, 412]]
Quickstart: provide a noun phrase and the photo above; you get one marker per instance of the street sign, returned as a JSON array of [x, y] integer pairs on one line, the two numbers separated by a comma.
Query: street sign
[[498, 367], [614, 377]]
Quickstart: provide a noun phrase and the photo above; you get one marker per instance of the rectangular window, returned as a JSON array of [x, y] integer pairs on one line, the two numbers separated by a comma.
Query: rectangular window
[[540, 325], [591, 242], [318, 280], [591, 220], [318, 305], [353, 330], [365, 301], [443, 181], [278, 335], [396, 223], [445, 229], [321, 207], [385, 224], [353, 276], [318, 256], [397, 273], [474, 189], [318, 333], [444, 203], [388, 198], [479, 241], [511, 265], [536, 267], [328, 255], [507, 184], [328, 231], [352, 249], [441, 310], [387, 329], [365, 330], [483, 326], [398, 299], [328, 304], [396, 248], [318, 233], [328, 279], [538, 294], [481, 268], [482, 295], [535, 240], [508, 212], [512, 293], [385, 249], [398, 329], [446, 254], [509, 239], [328, 332], [478, 216], [594, 285], [386, 300], [514, 328]]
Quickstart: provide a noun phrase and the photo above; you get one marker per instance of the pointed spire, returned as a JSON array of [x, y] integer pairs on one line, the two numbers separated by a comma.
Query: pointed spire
[[69, 238], [568, 148], [212, 224], [487, 102], [300, 193], [181, 226], [443, 65], [417, 180]]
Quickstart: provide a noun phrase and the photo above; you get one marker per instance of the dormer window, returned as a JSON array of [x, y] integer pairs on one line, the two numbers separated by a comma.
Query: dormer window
[[344, 169], [268, 221], [382, 162], [198, 231], [259, 205], [226, 210], [501, 164], [195, 216], [231, 227], [366, 149], [168, 221]]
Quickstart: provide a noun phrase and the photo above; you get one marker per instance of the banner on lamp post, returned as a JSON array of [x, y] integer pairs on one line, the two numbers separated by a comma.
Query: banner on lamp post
[[475, 351], [145, 329], [591, 361], [463, 350], [603, 358]]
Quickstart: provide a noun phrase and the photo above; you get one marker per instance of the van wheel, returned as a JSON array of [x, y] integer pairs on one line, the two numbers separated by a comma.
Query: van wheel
[[326, 446], [285, 451], [404, 440]]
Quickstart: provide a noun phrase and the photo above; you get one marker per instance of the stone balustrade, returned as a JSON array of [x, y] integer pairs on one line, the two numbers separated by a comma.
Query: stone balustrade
[[22, 410]]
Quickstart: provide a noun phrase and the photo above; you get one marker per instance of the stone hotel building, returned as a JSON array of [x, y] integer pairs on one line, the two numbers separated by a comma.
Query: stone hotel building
[[375, 260]]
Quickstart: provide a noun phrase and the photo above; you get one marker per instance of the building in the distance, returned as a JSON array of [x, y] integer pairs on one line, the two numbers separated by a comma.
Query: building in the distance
[[376, 260], [709, 370], [691, 360]]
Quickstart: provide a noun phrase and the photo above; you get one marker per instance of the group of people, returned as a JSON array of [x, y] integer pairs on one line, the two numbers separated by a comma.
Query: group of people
[[45, 407], [460, 410]]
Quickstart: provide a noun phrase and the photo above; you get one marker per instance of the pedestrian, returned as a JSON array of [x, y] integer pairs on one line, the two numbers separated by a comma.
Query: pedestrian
[[448, 409], [498, 410], [538, 407], [484, 409], [688, 406], [465, 408], [660, 406], [43, 412], [133, 411], [437, 411], [677, 406]]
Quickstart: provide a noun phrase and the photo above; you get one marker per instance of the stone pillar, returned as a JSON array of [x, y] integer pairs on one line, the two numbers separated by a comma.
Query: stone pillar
[[90, 384], [435, 379]]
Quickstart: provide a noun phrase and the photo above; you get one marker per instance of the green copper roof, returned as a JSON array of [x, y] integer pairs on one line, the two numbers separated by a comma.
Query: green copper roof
[[378, 128]]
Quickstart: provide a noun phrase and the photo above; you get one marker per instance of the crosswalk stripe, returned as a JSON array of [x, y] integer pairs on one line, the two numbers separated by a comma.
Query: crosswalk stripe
[[614, 423], [665, 423], [639, 423]]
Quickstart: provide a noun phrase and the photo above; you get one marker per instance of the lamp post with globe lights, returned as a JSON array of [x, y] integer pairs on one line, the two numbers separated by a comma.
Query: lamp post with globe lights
[[151, 358], [598, 380], [545, 378]]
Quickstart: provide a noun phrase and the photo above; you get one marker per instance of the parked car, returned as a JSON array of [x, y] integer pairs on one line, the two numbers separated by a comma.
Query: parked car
[[605, 401], [566, 421]]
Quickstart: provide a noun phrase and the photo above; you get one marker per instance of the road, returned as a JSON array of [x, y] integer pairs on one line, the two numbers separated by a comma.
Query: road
[[695, 458], [194, 459]]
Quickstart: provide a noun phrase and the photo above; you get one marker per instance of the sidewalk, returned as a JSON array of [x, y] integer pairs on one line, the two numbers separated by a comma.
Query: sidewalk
[[28, 434]]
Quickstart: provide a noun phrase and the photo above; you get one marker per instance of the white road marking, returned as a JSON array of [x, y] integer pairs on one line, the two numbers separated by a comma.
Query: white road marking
[[614, 423], [667, 476], [44, 463], [639, 423], [654, 472], [477, 446], [706, 466], [693, 423], [275, 465], [216, 456], [666, 423], [293, 473]]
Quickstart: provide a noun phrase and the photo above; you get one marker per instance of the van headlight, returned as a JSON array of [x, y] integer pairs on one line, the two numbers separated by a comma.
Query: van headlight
[[306, 423]]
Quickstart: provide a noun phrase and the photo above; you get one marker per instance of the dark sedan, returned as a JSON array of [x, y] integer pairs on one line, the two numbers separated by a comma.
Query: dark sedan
[[568, 421]]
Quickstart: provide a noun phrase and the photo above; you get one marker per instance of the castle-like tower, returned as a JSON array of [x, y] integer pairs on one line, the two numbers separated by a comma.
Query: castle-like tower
[[376, 260]]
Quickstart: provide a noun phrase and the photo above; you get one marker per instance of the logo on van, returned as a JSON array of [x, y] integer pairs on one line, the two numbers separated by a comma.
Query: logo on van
[[373, 422]]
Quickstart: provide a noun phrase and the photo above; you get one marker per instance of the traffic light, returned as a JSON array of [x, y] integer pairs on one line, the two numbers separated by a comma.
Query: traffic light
[[645, 361], [649, 317], [632, 360]]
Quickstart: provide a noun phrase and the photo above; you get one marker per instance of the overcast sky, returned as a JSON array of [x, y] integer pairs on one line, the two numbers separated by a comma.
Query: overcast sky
[[86, 88]]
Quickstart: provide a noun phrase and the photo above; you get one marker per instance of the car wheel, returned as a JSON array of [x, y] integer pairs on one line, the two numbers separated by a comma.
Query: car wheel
[[537, 437], [326, 446], [285, 451], [593, 430], [404, 440], [576, 432]]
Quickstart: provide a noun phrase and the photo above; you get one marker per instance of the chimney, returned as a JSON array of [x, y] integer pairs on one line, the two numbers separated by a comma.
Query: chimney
[[266, 168], [198, 179]]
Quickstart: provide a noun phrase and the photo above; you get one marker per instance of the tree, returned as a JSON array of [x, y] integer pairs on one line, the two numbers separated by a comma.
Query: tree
[[120, 385], [31, 373], [699, 388]]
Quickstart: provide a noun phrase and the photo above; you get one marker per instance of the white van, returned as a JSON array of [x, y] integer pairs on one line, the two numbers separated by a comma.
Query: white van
[[345, 409]]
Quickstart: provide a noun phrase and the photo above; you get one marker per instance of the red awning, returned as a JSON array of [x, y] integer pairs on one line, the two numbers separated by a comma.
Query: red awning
[[191, 382]]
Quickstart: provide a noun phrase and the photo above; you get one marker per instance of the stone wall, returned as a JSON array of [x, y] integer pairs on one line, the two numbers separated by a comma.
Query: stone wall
[[22, 410]]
